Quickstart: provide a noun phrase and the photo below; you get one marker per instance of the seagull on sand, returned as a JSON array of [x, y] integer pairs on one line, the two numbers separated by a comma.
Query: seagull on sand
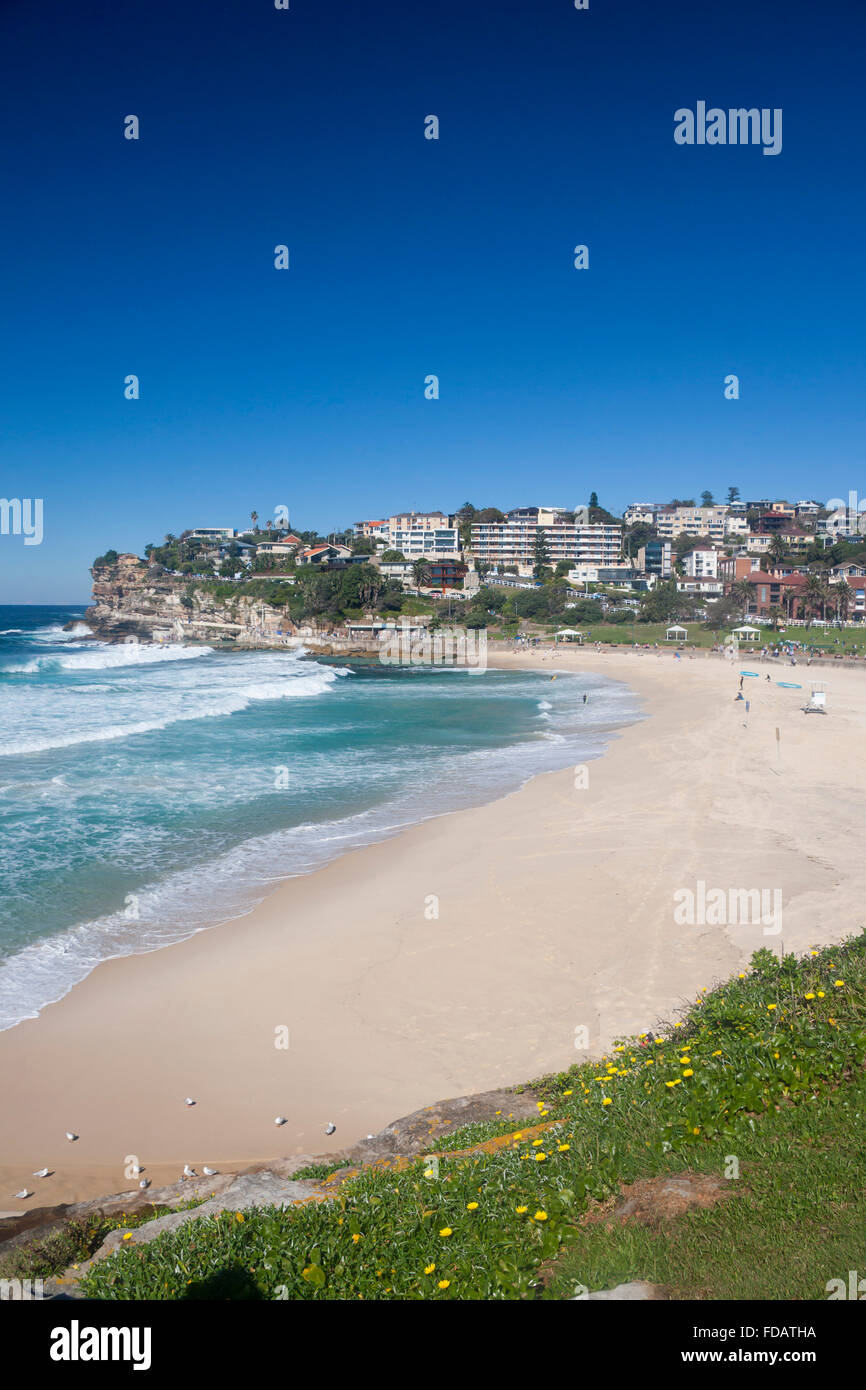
[[189, 1101], [330, 1127], [280, 1120], [189, 1172], [42, 1173], [209, 1172], [20, 1196], [145, 1182], [70, 1136]]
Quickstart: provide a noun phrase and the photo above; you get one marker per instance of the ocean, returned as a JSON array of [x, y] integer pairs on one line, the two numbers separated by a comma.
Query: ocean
[[149, 792]]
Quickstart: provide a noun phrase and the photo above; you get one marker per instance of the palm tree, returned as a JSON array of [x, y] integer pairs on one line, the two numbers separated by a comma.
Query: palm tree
[[421, 573], [742, 592], [776, 550], [841, 599], [254, 518], [774, 615], [815, 595]]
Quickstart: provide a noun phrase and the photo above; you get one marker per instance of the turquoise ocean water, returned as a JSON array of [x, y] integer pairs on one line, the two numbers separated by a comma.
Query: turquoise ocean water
[[146, 793]]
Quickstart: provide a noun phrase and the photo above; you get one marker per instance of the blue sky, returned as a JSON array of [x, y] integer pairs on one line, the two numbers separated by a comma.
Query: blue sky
[[409, 257]]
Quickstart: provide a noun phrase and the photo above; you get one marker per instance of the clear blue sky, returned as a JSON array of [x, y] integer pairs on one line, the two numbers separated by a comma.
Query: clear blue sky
[[409, 257]]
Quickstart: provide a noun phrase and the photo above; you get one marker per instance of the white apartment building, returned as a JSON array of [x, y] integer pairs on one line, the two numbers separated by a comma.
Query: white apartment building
[[702, 563], [213, 533], [372, 530], [512, 542], [640, 511]]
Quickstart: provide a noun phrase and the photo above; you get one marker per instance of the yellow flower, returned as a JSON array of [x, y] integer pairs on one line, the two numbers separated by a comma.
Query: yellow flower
[[718, 1054], [563, 1148], [446, 1231], [428, 1173], [521, 1210], [678, 1082], [813, 953], [838, 984], [770, 1007], [428, 1269], [471, 1206], [820, 994], [696, 1130], [540, 1216], [607, 1101], [356, 1238], [808, 996], [443, 1283], [688, 1072], [128, 1236], [568, 1093], [536, 1143], [239, 1216], [539, 1158], [649, 1062]]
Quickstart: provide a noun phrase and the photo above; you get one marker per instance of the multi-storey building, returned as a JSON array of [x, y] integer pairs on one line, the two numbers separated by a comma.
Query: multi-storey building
[[513, 541], [656, 558], [428, 534], [716, 522], [702, 562]]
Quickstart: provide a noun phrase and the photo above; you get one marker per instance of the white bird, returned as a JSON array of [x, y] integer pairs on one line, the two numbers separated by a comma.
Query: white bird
[[136, 1169], [189, 1101], [189, 1172], [70, 1136], [42, 1173], [145, 1182], [209, 1172], [330, 1127], [280, 1120], [19, 1196], [369, 1136]]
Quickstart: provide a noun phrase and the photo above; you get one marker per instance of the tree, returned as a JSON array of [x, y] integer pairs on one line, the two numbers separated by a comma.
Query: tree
[[421, 572], [637, 536], [774, 613], [593, 499], [540, 553], [707, 498], [742, 592], [733, 495], [776, 551], [391, 555], [254, 518], [665, 603], [841, 599], [816, 595]]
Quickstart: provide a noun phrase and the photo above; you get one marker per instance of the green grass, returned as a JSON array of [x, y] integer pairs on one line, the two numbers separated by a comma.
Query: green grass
[[795, 1219], [73, 1243], [761, 1054]]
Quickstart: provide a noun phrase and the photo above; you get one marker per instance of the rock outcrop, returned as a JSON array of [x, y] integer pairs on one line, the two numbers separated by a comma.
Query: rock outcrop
[[137, 601]]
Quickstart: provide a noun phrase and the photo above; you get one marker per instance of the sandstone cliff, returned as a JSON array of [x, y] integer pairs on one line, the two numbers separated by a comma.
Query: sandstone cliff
[[133, 599]]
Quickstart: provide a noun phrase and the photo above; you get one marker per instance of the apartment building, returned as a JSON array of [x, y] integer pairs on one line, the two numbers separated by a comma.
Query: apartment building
[[702, 563], [716, 522], [656, 557], [512, 542], [428, 534], [372, 530]]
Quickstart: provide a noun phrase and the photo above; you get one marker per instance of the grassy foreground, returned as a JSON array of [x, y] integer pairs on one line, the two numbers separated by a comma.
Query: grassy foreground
[[766, 1068]]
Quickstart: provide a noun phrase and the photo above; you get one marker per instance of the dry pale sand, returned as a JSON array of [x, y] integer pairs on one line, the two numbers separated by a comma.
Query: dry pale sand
[[555, 912]]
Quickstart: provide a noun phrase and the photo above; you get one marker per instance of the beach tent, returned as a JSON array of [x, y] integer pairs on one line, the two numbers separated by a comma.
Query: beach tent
[[676, 633], [746, 630], [568, 634]]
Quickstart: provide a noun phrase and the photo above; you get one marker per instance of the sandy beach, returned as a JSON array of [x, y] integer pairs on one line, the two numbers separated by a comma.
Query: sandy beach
[[464, 953]]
